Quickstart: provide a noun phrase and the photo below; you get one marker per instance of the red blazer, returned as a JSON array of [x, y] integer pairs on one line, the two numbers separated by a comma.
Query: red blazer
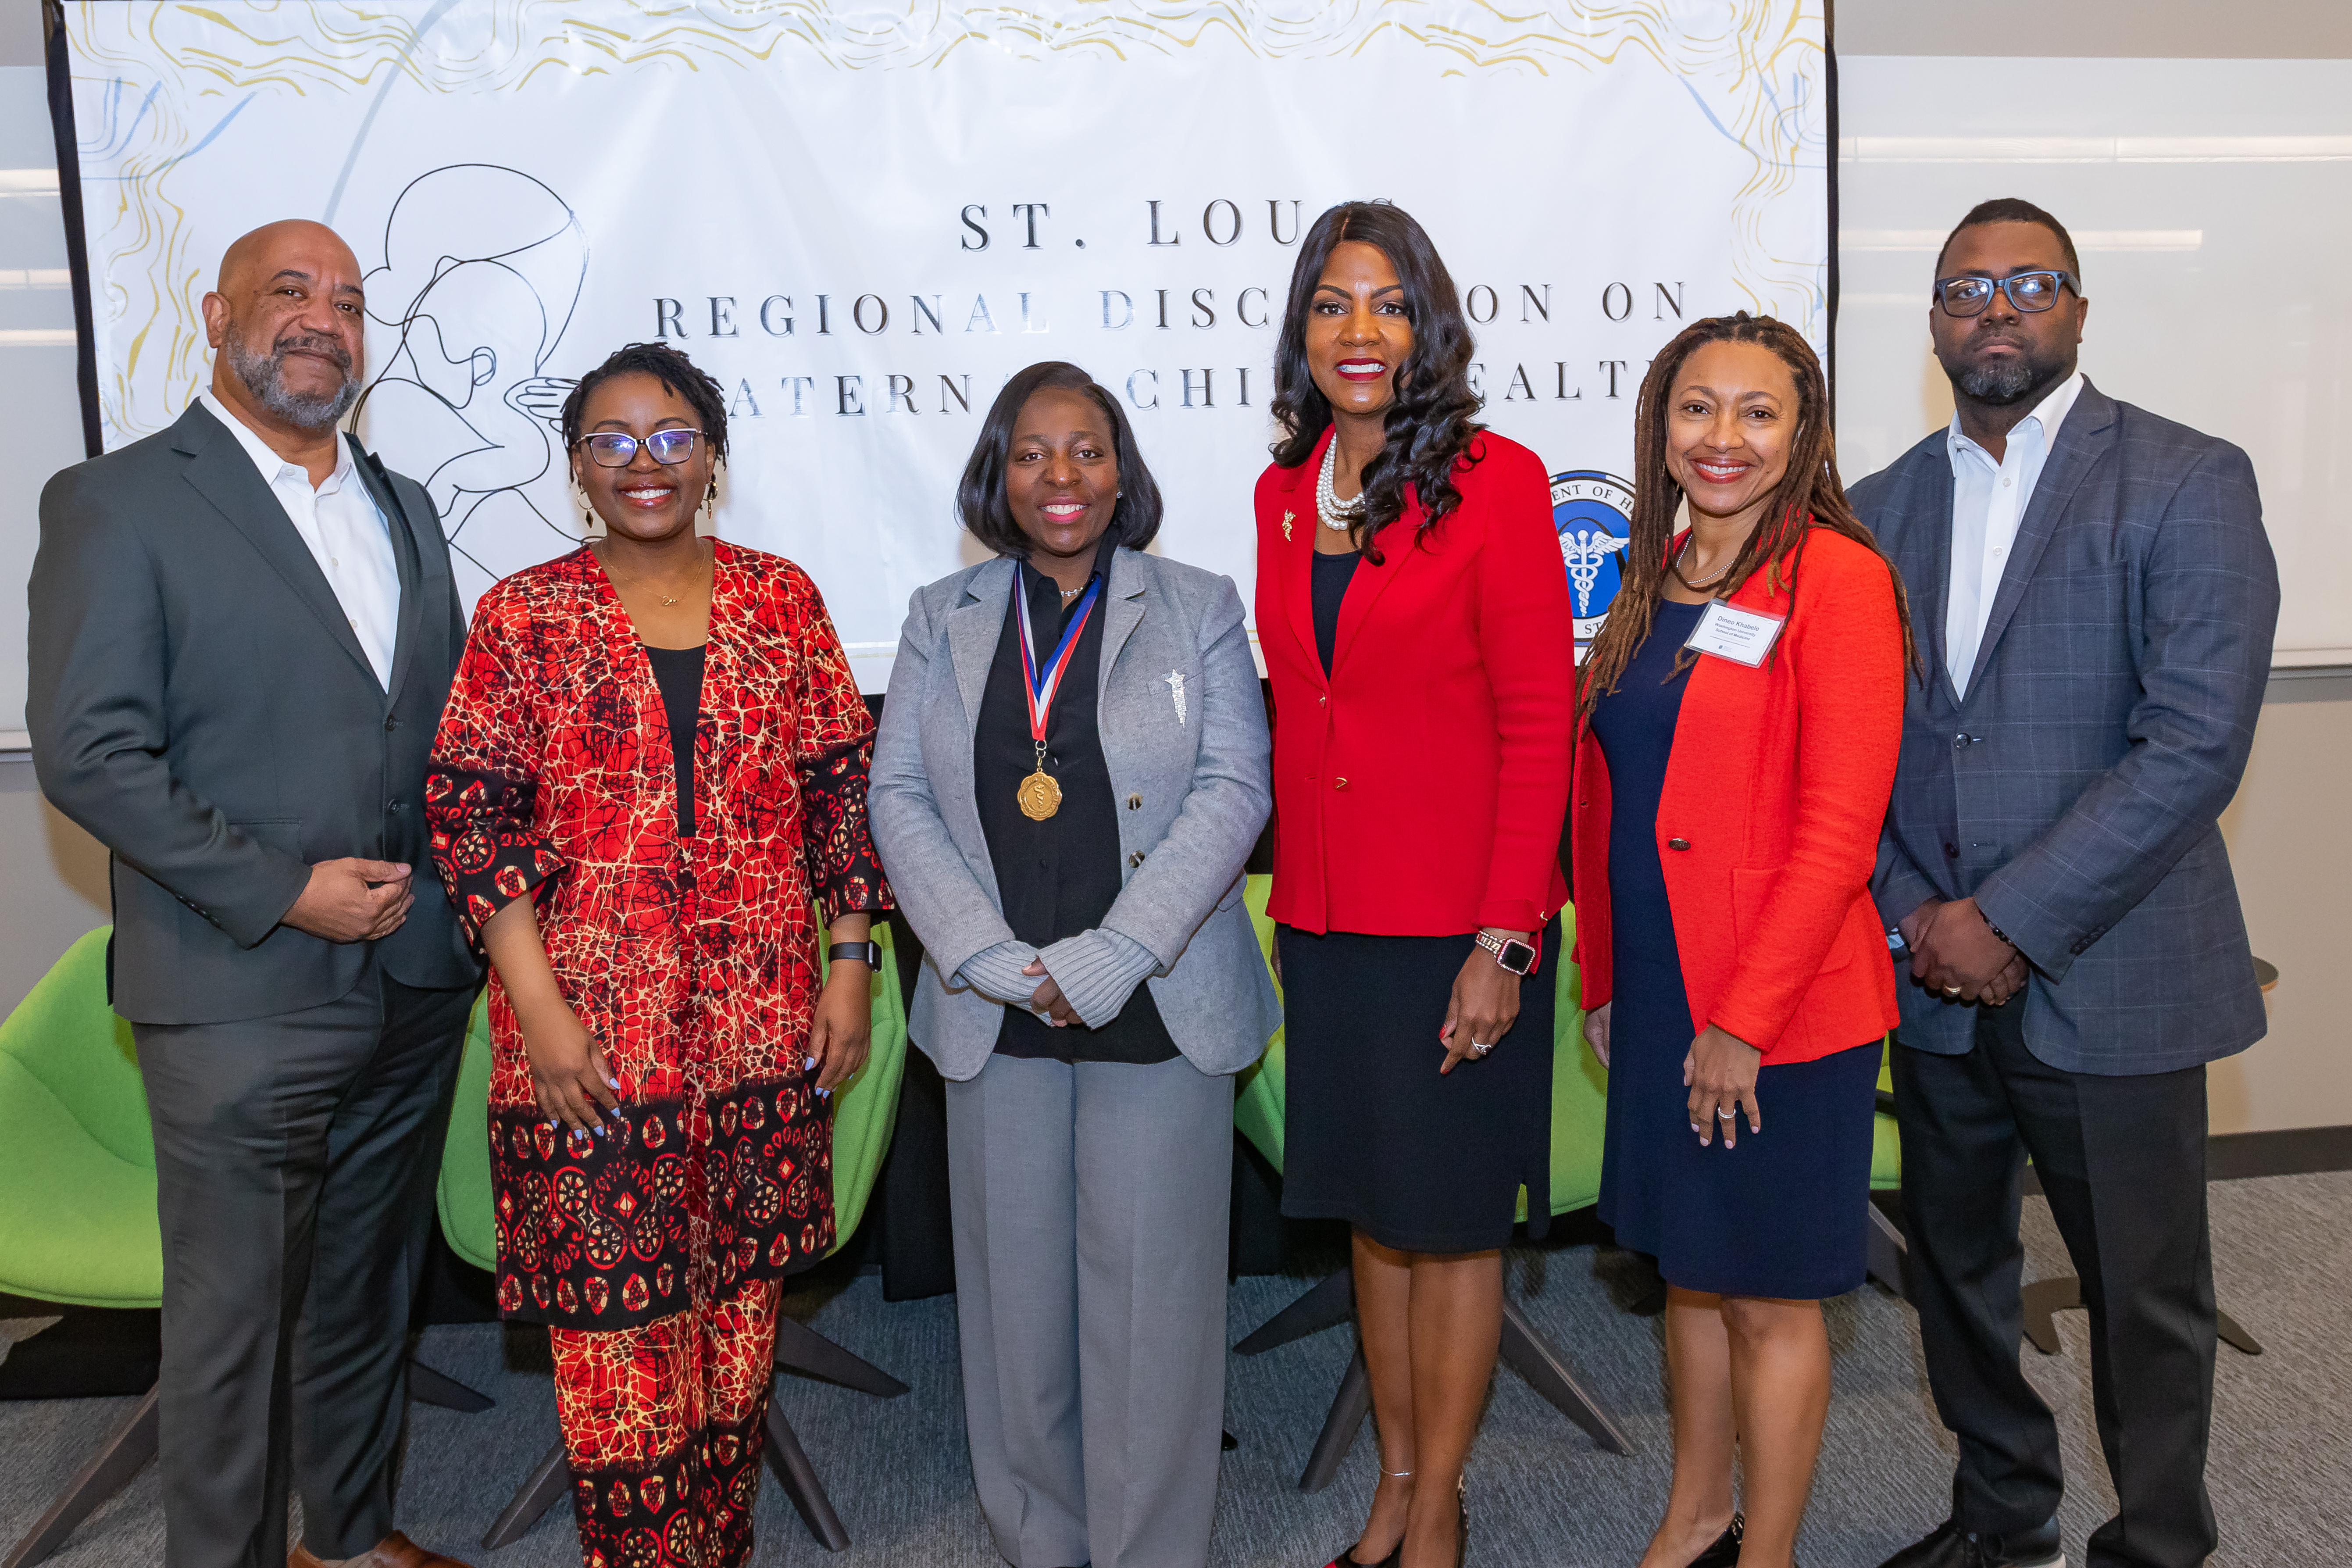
[[1421, 790], [1768, 826]]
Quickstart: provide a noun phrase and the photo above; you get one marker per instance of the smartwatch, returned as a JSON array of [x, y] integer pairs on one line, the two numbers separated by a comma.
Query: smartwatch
[[1511, 954], [868, 953]]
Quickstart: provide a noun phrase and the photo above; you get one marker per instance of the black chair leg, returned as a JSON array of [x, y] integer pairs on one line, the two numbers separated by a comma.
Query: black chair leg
[[2044, 1297], [1889, 1254], [550, 1479], [791, 1463], [1528, 1353], [1348, 1408], [800, 1348], [1325, 1305], [108, 1471], [428, 1386]]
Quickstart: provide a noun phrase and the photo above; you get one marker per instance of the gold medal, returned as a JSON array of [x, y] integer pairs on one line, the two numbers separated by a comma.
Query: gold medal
[[1040, 796]]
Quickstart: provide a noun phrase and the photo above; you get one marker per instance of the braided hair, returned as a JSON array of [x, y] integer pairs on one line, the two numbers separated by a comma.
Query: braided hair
[[1809, 496]]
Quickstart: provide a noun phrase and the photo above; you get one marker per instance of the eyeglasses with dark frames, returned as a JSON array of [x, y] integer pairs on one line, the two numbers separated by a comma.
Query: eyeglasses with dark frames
[[614, 449], [1970, 293]]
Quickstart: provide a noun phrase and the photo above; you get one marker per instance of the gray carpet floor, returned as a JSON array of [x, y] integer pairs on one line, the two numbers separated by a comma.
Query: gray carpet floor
[[1540, 1492]]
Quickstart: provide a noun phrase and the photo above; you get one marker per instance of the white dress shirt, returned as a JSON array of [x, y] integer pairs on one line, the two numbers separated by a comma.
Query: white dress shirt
[[1989, 499], [345, 531]]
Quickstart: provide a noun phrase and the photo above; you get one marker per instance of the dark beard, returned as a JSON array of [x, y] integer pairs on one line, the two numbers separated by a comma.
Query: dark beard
[[265, 376], [2005, 383]]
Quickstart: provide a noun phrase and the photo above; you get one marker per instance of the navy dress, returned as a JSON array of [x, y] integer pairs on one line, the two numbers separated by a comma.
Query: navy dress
[[1372, 1135], [1782, 1213]]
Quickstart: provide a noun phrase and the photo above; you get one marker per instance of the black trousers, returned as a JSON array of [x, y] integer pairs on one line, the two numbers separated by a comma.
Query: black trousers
[[293, 1151], [2123, 1162]]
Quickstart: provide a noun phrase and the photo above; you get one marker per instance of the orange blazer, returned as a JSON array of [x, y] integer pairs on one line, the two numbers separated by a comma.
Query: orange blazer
[[1420, 791], [1767, 825]]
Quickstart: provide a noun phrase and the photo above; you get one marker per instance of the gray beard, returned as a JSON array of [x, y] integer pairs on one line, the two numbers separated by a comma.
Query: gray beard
[[265, 376], [2005, 383]]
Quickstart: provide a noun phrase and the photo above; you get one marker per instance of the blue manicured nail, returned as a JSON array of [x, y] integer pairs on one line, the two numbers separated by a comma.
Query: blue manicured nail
[[612, 1083], [808, 1064]]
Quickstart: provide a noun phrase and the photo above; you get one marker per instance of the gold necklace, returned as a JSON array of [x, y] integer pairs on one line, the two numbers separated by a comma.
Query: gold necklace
[[667, 599], [1699, 587]]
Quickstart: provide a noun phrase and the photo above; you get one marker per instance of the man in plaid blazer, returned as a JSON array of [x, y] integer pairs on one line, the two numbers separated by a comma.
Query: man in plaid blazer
[[2096, 599]]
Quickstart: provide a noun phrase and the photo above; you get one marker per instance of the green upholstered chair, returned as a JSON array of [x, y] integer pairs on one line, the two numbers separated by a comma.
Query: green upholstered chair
[[79, 1226], [864, 1117], [1580, 1103], [77, 1167]]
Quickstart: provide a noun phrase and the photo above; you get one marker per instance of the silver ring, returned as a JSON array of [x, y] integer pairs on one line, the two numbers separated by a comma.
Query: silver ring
[[1731, 1115], [1951, 990], [1478, 1050]]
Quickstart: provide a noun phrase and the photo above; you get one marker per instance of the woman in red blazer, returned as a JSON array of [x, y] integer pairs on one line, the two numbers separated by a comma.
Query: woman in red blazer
[[1415, 620], [1735, 744]]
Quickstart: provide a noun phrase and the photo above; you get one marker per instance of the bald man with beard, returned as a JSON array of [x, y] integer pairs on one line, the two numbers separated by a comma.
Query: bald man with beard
[[243, 631]]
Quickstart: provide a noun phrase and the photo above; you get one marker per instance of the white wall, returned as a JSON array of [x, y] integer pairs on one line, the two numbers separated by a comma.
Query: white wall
[[2289, 832], [52, 875], [1906, 67]]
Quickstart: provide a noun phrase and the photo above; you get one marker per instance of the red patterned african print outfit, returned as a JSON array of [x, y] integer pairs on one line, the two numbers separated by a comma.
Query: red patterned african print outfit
[[654, 1253]]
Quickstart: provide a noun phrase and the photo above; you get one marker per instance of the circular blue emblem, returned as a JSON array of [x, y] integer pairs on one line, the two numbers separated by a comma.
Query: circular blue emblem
[[1593, 513]]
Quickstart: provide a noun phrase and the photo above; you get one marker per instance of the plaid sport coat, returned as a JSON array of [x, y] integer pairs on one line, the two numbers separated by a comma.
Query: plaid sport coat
[[2075, 790]]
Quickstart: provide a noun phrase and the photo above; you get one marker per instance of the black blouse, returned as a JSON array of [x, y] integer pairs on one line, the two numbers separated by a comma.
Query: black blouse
[[1329, 588], [678, 672], [1056, 878]]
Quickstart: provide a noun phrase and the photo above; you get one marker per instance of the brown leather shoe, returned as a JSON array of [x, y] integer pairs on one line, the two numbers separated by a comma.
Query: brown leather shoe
[[394, 1551]]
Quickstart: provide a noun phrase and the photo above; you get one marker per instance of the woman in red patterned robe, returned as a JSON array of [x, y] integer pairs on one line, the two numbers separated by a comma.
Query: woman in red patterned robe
[[657, 739]]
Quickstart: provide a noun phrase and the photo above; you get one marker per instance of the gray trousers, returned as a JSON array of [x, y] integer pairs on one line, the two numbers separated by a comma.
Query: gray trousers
[[289, 1151], [1090, 1215]]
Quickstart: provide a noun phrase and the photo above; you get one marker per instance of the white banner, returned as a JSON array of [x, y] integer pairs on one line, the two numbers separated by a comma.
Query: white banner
[[862, 221]]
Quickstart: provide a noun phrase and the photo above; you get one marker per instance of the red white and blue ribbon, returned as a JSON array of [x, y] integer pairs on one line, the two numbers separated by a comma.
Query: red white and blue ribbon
[[1041, 685]]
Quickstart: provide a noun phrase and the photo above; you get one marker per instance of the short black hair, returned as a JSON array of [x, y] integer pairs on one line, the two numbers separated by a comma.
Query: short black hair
[[678, 374], [2013, 209], [980, 495]]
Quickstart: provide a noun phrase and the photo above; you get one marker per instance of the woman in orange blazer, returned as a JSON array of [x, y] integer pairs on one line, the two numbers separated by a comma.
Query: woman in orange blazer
[[1416, 621], [1737, 736]]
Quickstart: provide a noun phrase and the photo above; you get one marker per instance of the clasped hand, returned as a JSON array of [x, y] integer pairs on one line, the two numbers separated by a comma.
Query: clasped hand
[[1955, 953], [1048, 1000], [353, 899]]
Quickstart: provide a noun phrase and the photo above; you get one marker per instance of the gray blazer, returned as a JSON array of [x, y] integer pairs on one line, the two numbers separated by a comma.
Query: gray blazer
[[199, 703], [2075, 790], [1198, 763]]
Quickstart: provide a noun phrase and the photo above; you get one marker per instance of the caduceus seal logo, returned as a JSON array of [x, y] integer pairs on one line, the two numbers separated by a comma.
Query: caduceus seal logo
[[1593, 513]]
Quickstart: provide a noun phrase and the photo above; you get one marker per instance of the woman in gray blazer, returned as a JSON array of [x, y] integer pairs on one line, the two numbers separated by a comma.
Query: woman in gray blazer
[[1071, 770]]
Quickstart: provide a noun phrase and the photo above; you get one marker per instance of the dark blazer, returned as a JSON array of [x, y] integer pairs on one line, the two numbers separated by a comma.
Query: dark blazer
[[199, 702], [2075, 790]]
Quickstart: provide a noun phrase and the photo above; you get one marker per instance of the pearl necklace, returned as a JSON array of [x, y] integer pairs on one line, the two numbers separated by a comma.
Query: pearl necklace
[[1337, 515]]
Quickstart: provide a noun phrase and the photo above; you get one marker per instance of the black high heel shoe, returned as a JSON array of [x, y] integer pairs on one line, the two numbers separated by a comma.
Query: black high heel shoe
[[1725, 1552], [1344, 1558]]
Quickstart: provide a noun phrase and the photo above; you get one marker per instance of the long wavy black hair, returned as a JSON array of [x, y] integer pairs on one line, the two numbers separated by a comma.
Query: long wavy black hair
[[1809, 496], [1431, 422]]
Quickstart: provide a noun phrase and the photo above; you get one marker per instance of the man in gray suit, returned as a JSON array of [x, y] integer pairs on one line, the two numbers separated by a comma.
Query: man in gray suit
[[243, 632], [2098, 599]]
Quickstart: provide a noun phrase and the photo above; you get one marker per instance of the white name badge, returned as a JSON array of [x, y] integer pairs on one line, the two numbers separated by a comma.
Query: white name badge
[[1743, 636]]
